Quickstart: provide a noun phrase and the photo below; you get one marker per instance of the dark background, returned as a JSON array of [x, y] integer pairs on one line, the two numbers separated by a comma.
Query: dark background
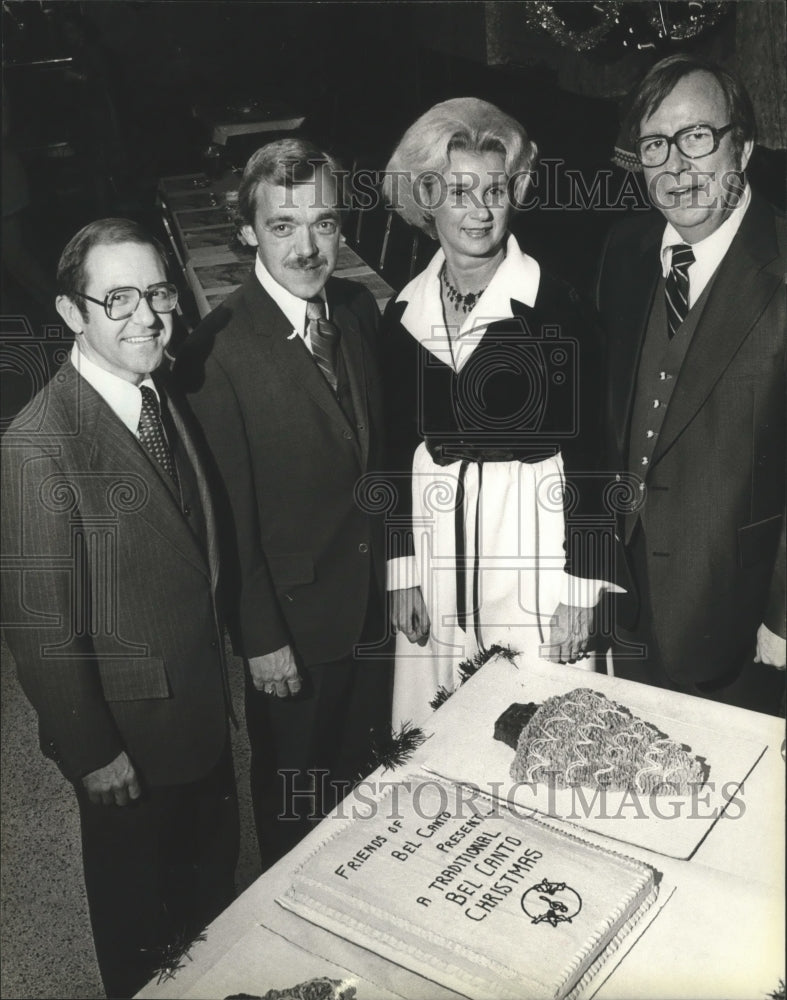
[[102, 98]]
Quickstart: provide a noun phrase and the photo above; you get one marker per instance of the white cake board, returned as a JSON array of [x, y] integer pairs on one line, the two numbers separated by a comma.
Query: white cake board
[[326, 896], [670, 825]]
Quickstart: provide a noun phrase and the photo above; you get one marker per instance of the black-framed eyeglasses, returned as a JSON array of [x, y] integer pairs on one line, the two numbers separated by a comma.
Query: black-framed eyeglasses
[[120, 303], [694, 142]]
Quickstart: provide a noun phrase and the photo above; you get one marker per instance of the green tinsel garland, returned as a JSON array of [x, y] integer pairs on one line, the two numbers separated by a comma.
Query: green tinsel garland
[[391, 750], [544, 16], [471, 666], [640, 25], [171, 956]]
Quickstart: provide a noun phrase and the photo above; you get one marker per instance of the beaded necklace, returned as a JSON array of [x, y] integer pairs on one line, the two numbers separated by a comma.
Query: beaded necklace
[[455, 297]]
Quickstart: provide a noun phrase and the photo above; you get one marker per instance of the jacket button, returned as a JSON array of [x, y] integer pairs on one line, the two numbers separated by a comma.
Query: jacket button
[[186, 510], [363, 547], [347, 435]]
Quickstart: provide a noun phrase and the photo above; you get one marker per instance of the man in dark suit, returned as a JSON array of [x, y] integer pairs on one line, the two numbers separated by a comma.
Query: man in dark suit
[[695, 315], [110, 570], [283, 379]]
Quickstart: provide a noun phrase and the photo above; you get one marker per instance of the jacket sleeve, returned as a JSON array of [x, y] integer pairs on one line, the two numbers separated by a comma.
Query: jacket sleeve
[[776, 608], [402, 411], [588, 522], [249, 597], [47, 607]]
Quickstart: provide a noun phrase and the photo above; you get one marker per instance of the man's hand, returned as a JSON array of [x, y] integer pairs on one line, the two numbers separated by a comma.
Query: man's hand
[[409, 614], [569, 634], [276, 673], [114, 784], [771, 648]]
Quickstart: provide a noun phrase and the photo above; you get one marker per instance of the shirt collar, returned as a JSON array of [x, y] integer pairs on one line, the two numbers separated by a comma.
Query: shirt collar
[[121, 396], [709, 252], [518, 278], [293, 307]]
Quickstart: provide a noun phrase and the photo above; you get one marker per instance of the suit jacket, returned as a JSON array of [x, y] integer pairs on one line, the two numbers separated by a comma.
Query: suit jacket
[[713, 517], [302, 545], [108, 596]]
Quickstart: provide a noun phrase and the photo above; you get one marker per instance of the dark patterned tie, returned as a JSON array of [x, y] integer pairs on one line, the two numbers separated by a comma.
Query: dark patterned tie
[[677, 286], [151, 433], [324, 337]]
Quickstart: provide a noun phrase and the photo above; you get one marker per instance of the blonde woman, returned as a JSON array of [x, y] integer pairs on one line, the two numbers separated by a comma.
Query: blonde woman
[[489, 426]]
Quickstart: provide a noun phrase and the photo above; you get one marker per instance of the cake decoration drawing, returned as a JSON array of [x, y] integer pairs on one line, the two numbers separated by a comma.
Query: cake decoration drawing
[[584, 738], [551, 902]]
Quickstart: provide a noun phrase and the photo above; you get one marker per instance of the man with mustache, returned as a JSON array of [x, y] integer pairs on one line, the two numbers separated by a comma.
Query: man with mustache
[[283, 379], [695, 317]]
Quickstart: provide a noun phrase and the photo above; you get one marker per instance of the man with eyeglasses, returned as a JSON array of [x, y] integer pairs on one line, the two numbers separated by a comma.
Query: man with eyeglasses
[[695, 317], [109, 581]]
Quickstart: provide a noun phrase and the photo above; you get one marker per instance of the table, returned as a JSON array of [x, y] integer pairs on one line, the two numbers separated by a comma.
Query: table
[[720, 934], [247, 118], [198, 215]]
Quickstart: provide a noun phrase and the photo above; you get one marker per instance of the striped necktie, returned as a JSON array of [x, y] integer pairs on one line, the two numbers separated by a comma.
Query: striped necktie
[[324, 338], [677, 286], [151, 433]]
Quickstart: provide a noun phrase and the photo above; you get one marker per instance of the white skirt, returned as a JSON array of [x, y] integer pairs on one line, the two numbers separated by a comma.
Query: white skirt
[[512, 578]]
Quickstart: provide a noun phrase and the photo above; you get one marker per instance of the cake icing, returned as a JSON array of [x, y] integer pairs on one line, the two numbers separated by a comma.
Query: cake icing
[[584, 738], [486, 903]]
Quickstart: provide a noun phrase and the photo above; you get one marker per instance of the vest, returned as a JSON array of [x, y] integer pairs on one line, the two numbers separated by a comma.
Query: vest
[[657, 376]]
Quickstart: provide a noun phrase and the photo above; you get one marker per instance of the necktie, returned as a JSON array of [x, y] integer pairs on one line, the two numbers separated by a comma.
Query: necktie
[[677, 286], [151, 433], [324, 337]]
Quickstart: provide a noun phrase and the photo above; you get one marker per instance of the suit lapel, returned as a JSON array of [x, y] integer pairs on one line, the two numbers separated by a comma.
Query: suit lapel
[[115, 450], [292, 357], [636, 297], [202, 485], [742, 288], [354, 359]]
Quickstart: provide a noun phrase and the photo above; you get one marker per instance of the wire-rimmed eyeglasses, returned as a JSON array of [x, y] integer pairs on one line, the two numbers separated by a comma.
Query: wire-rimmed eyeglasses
[[120, 303], [694, 142]]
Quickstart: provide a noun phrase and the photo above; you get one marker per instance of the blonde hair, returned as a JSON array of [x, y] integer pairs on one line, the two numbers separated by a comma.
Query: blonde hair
[[422, 155]]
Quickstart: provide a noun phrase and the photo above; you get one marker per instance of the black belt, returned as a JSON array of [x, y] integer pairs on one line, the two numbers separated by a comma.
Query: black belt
[[448, 452]]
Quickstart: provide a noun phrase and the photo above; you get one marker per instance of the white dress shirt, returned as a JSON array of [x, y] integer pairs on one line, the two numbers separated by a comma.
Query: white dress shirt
[[122, 397], [517, 277], [293, 307], [708, 253]]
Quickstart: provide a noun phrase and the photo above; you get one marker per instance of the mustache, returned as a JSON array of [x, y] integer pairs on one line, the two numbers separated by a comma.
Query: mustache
[[302, 263]]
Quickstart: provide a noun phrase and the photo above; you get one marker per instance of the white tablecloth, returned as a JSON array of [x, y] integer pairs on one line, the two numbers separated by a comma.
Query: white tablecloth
[[719, 935]]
